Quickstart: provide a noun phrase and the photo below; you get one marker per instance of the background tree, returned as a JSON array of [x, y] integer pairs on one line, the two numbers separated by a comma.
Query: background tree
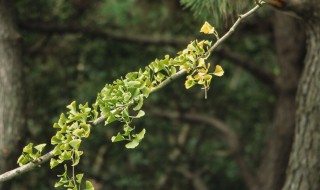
[[11, 90], [255, 104]]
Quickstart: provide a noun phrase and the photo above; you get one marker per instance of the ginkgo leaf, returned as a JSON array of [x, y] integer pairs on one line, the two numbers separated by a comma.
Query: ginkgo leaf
[[133, 144], [40, 147], [201, 63], [218, 71], [189, 83], [89, 186], [207, 28]]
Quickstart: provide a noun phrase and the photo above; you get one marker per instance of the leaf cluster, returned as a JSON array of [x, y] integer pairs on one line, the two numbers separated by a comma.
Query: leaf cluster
[[122, 101]]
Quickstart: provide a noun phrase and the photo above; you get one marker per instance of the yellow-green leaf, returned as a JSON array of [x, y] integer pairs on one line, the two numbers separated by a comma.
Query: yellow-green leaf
[[89, 186], [75, 143], [28, 148], [133, 144], [218, 71], [40, 147], [189, 83], [117, 138], [53, 163], [207, 28]]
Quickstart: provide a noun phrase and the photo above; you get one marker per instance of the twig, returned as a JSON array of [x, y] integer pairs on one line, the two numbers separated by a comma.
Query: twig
[[233, 27], [45, 158]]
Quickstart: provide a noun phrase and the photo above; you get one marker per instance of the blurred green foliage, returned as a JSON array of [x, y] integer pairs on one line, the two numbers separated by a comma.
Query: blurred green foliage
[[62, 67]]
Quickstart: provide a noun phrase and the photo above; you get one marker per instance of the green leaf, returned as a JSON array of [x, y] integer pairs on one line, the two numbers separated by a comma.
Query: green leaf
[[140, 136], [132, 75], [117, 138], [105, 111], [73, 108], [57, 139], [73, 126], [86, 128], [22, 160], [141, 113], [35, 156], [79, 178], [77, 155], [75, 143], [127, 129], [133, 84], [78, 132], [160, 77], [110, 119], [145, 92], [70, 184], [56, 126], [61, 182], [140, 103], [62, 120], [89, 185], [84, 108], [133, 144], [189, 83], [173, 71], [53, 163], [28, 148], [66, 155], [40, 147], [57, 151]]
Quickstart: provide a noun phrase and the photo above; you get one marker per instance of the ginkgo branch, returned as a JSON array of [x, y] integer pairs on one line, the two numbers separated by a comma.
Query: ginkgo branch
[[45, 158]]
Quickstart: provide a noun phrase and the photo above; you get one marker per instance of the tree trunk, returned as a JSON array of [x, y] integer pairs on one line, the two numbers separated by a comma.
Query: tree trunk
[[304, 168], [11, 109], [290, 51]]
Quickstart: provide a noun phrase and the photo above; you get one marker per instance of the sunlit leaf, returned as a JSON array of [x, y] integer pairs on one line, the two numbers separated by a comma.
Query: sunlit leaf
[[79, 178], [207, 28], [141, 113], [189, 83], [53, 163], [75, 143], [117, 138], [28, 148], [218, 71], [73, 108], [140, 136], [89, 186], [40, 147], [133, 144]]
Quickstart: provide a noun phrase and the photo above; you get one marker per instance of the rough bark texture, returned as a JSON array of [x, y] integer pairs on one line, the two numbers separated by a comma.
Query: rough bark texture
[[290, 52], [11, 115], [304, 168]]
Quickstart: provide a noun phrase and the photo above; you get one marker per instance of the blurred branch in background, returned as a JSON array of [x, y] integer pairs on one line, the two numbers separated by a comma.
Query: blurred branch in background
[[265, 76], [230, 137], [106, 33]]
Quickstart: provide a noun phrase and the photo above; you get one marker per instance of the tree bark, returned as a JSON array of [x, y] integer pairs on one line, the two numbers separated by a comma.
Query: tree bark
[[11, 107], [290, 51], [304, 168]]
